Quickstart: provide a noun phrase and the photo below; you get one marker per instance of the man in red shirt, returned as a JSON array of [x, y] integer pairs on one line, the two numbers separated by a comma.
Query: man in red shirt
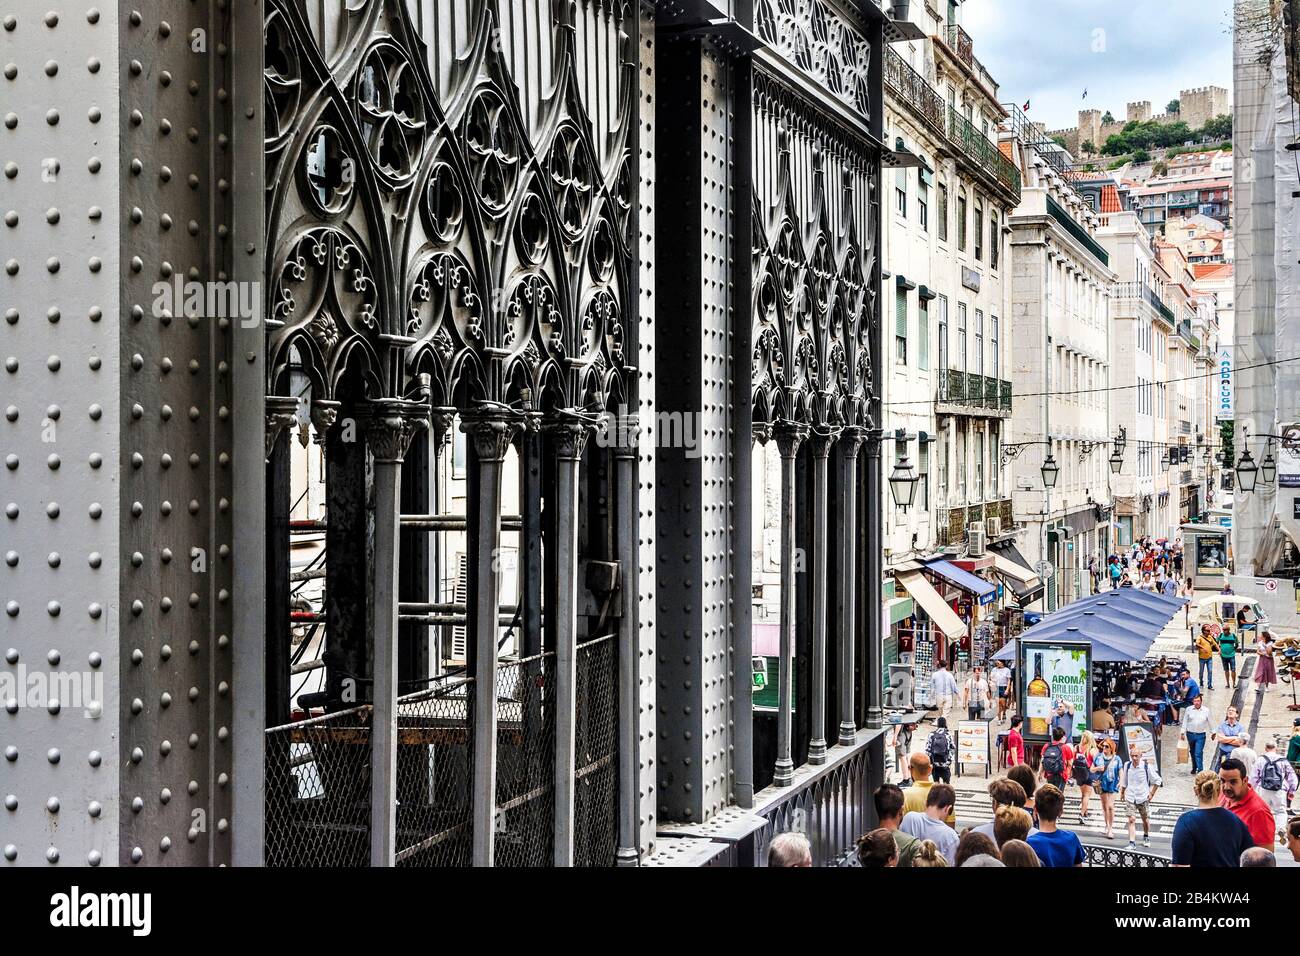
[[1243, 801], [1016, 741]]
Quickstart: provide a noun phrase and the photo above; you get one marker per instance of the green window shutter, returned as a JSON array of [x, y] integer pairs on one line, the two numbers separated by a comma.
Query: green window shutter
[[923, 335]]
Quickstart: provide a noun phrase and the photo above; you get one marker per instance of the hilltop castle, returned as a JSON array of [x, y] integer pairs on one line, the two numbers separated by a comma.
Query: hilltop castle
[[1196, 108]]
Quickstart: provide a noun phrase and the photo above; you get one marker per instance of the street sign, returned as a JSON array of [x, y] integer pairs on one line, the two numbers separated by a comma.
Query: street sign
[[1044, 569], [1270, 585]]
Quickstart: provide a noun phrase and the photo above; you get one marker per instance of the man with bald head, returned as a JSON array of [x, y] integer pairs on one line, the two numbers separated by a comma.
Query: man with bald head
[[1258, 856], [789, 850], [914, 797]]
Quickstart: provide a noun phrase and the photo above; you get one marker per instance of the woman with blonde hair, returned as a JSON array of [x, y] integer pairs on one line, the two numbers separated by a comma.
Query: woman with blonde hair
[[1107, 767], [1084, 758], [1019, 853], [927, 854], [1210, 835]]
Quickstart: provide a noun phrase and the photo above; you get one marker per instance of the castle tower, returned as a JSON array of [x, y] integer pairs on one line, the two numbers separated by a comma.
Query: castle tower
[[1139, 111]]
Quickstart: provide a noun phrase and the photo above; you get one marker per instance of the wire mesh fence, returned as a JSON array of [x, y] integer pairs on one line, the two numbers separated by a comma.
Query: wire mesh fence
[[525, 790], [595, 810], [318, 791], [435, 744]]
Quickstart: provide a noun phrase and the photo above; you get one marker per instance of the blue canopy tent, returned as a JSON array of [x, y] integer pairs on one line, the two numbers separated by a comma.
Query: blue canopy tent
[[985, 592], [1121, 625]]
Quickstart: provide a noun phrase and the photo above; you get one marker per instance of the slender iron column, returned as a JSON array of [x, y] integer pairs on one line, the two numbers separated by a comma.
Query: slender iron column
[[871, 564], [822, 443], [629, 694], [851, 439], [389, 425], [568, 438], [490, 437], [789, 436]]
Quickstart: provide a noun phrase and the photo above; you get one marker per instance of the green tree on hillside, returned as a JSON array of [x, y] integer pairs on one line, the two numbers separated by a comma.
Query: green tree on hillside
[[1108, 117], [1174, 106]]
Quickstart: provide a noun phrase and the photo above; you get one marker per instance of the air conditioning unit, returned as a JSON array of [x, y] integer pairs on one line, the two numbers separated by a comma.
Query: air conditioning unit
[[994, 526], [975, 538]]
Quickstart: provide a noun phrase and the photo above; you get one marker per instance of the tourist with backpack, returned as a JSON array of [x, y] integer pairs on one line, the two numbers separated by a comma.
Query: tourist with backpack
[[939, 748], [1081, 771], [1056, 757], [1108, 766], [1275, 781], [1138, 784]]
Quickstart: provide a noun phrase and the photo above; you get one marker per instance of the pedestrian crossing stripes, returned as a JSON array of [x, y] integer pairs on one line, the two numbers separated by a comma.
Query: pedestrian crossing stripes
[[974, 808]]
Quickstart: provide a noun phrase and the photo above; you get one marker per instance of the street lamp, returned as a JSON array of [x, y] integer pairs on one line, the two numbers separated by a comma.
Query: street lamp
[[902, 483], [1268, 467], [1116, 461], [1050, 471], [1246, 471], [1121, 440]]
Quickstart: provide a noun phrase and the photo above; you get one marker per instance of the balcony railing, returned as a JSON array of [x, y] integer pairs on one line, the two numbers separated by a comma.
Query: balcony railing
[[961, 44], [983, 152], [1076, 230], [1140, 291], [951, 523], [912, 88], [974, 390]]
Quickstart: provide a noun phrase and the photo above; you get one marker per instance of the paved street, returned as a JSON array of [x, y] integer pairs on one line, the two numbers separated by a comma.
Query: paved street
[[1264, 712]]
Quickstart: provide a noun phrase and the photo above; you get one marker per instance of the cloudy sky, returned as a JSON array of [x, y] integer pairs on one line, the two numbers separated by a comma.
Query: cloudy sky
[[1049, 51]]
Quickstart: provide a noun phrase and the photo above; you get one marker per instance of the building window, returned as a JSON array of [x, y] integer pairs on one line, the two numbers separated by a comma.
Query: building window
[[979, 466], [923, 208], [961, 336], [900, 191], [979, 342], [923, 334], [923, 474], [961, 464], [942, 308], [995, 457], [900, 327], [995, 241], [943, 466], [961, 221], [993, 346], [943, 212], [979, 231]]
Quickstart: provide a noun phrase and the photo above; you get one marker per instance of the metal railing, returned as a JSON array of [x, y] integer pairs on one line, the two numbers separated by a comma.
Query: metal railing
[[961, 44], [1077, 231], [1110, 856], [974, 390], [595, 801], [525, 792], [435, 776], [1141, 292], [913, 90], [832, 809], [983, 152], [318, 791]]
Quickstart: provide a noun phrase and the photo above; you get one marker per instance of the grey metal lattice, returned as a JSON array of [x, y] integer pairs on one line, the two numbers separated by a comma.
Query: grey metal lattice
[[434, 776], [595, 814], [525, 813], [318, 791]]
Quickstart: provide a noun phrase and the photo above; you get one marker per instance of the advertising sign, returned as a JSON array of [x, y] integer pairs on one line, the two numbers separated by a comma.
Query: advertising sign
[[973, 744], [1139, 737], [1055, 687], [1288, 467], [1211, 556], [1223, 394]]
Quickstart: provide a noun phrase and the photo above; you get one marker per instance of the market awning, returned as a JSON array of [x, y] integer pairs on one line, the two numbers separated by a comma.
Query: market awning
[[935, 606], [985, 592], [900, 609], [1012, 568], [1121, 625]]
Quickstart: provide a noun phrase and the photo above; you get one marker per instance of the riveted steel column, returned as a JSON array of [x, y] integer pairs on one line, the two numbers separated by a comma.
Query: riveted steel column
[[822, 443], [846, 531], [628, 853], [490, 437], [389, 427], [871, 563], [789, 436], [568, 439]]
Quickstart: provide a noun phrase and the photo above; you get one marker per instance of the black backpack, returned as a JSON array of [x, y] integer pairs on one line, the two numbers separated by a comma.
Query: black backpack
[[1270, 778], [1053, 761], [1082, 771], [940, 748]]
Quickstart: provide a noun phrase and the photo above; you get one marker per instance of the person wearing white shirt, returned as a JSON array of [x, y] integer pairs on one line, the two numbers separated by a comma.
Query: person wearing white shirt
[[1138, 784], [975, 695], [1196, 723], [1002, 681], [943, 687]]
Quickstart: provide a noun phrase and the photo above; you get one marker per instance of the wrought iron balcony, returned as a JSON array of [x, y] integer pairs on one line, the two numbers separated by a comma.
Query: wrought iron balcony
[[972, 390], [961, 44], [912, 89], [1141, 292], [983, 152]]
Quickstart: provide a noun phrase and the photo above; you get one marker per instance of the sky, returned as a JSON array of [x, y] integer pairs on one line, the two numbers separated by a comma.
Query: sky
[[1048, 52]]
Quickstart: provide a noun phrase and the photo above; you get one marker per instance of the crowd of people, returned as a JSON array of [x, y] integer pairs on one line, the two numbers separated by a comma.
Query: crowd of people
[[1232, 825], [1148, 565]]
